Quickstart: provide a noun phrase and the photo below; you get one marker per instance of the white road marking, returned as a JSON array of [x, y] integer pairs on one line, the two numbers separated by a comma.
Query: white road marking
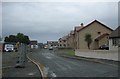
[[48, 57], [31, 73], [53, 74]]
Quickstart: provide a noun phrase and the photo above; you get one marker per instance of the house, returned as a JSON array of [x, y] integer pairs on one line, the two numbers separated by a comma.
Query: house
[[34, 44], [63, 42], [52, 44], [99, 34], [70, 40], [76, 36], [114, 39]]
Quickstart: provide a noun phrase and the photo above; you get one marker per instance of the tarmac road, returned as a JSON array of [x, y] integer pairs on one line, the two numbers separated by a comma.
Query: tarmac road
[[56, 66]]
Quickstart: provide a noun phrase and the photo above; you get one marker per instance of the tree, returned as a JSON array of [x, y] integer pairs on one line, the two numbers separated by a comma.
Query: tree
[[88, 39], [6, 39], [20, 37], [26, 39], [12, 38]]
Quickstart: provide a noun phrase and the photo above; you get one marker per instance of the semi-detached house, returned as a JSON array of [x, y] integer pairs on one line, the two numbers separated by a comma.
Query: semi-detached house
[[99, 33]]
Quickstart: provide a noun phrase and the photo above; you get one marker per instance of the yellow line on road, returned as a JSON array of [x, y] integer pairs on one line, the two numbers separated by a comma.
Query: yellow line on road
[[40, 66]]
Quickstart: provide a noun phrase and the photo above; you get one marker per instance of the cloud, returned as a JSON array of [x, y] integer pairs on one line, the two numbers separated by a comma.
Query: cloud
[[60, 0], [51, 20]]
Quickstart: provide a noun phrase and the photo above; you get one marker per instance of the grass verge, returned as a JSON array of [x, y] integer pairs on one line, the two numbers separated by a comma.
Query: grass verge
[[71, 53]]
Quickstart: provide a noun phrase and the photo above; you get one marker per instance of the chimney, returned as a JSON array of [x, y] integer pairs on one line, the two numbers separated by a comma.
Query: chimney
[[82, 24]]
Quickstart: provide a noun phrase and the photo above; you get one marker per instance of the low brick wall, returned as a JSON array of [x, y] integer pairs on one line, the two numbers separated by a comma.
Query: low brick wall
[[100, 54]]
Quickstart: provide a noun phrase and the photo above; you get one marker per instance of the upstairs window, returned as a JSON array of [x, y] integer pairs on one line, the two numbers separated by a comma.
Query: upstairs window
[[99, 32], [64, 45], [64, 40]]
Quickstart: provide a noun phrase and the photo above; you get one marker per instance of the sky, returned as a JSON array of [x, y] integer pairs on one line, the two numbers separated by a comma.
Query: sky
[[44, 21]]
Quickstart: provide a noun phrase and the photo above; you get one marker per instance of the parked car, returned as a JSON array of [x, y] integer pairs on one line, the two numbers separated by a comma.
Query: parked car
[[51, 48], [104, 47]]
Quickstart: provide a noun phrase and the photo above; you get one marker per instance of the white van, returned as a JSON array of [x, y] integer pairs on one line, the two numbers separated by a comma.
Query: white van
[[9, 47]]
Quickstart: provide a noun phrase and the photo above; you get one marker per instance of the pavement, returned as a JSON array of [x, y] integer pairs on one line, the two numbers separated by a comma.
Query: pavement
[[64, 53], [56, 66], [9, 62]]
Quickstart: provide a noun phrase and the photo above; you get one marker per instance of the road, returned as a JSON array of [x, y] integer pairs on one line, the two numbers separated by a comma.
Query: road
[[56, 66]]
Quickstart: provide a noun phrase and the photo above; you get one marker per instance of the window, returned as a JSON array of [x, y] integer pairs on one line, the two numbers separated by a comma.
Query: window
[[99, 32], [64, 45], [115, 41], [64, 40]]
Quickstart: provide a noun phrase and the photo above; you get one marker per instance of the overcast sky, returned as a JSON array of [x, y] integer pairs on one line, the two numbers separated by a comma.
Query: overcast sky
[[44, 21]]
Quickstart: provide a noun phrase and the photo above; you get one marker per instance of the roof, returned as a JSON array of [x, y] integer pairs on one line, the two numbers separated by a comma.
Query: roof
[[52, 41], [94, 22], [64, 37], [78, 28], [101, 36], [115, 33], [72, 32]]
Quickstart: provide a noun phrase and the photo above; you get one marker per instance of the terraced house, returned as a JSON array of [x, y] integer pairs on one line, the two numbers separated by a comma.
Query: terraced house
[[70, 40], [76, 39], [99, 34]]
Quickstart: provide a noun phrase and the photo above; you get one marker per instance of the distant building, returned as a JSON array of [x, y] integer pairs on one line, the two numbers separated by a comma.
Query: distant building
[[63, 42], [52, 43], [70, 40], [40, 45], [114, 39], [34, 44]]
